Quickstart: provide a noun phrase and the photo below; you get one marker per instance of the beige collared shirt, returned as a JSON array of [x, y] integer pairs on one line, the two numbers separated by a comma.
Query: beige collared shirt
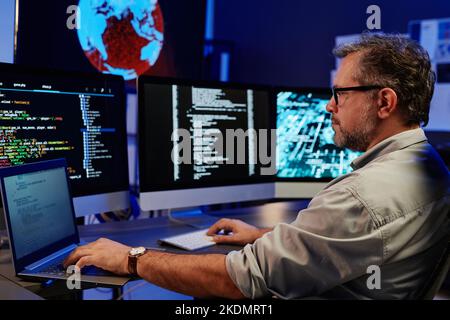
[[391, 212]]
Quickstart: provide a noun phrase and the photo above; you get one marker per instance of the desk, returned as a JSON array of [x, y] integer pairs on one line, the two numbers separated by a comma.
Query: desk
[[11, 291], [146, 232]]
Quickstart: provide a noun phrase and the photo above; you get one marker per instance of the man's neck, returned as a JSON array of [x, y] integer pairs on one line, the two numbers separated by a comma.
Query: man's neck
[[385, 133]]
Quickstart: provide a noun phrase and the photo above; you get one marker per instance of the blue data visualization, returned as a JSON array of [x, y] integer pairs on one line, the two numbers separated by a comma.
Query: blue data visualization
[[305, 147]]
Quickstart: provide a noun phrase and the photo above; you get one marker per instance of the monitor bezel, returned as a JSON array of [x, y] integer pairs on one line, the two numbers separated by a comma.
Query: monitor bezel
[[37, 71]]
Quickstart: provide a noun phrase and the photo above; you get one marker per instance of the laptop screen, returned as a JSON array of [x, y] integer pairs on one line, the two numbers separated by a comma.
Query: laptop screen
[[40, 209]]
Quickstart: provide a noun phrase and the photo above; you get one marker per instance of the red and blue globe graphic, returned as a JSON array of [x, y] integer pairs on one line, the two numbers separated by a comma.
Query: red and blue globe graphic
[[122, 37]]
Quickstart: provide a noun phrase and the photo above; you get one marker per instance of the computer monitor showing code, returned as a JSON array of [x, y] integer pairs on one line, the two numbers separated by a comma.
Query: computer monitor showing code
[[47, 115], [211, 115]]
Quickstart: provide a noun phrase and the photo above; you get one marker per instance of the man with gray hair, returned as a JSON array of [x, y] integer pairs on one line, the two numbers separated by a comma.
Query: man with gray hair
[[389, 215]]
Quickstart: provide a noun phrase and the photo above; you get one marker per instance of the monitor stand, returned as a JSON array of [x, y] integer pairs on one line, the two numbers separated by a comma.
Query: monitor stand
[[193, 217]]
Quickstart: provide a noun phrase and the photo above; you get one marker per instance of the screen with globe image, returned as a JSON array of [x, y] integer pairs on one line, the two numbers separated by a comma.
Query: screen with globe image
[[127, 38]]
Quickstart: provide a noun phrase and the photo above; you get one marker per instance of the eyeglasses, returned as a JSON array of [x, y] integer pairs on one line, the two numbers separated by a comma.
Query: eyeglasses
[[358, 88]]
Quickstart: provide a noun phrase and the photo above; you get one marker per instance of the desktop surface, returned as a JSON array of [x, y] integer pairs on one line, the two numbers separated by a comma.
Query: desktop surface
[[147, 231], [12, 291]]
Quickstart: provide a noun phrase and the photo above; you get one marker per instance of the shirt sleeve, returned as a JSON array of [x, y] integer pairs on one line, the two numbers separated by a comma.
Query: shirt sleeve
[[331, 242]]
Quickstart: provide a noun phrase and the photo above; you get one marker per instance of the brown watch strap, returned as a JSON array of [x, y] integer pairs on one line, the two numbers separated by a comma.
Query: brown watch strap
[[132, 265]]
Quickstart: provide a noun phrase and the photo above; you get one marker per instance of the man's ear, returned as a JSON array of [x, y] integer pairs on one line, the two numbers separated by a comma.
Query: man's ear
[[387, 102]]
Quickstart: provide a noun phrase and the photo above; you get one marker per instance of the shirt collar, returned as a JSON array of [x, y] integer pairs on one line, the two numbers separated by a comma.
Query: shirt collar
[[396, 142]]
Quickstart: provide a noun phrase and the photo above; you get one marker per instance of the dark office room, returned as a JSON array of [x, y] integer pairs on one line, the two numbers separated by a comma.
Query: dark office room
[[224, 158]]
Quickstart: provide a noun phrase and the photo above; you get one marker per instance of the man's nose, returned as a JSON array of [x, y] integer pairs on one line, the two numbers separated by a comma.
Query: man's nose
[[331, 106]]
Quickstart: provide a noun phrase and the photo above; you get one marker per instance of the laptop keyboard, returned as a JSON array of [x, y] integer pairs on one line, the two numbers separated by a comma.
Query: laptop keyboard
[[56, 269]]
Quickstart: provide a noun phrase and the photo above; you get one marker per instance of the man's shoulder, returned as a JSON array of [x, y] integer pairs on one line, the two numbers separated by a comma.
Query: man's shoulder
[[399, 182]]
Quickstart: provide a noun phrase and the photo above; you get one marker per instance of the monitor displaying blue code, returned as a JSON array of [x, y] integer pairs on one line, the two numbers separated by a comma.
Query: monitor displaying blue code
[[305, 147]]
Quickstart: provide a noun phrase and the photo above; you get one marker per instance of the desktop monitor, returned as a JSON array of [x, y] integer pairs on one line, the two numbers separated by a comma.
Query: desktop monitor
[[180, 123], [306, 156], [49, 114], [7, 30]]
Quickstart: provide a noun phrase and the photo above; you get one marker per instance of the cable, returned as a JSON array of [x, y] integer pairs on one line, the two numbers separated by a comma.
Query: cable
[[133, 288], [175, 220]]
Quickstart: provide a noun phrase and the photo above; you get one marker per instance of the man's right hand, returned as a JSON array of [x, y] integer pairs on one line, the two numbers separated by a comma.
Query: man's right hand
[[235, 232]]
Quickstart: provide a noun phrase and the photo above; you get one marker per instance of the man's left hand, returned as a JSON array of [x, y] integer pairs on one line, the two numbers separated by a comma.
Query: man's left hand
[[103, 253]]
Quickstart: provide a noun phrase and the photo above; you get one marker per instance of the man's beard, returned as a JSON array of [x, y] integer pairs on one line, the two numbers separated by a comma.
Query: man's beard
[[360, 138]]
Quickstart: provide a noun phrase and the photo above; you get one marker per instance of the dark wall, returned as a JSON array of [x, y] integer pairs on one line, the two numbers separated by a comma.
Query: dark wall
[[289, 42]]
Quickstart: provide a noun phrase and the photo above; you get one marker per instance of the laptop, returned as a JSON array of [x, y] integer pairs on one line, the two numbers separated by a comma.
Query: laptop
[[41, 224]]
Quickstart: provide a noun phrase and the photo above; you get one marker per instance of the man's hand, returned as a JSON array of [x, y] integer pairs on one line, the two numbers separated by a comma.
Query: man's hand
[[235, 232], [103, 253]]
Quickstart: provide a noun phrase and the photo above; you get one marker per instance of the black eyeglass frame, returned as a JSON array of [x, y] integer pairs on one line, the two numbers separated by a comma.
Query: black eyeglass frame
[[357, 88]]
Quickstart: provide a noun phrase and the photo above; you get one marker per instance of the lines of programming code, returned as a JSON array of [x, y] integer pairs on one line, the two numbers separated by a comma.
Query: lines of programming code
[[305, 147], [16, 146], [93, 147], [47, 124], [32, 209], [208, 113]]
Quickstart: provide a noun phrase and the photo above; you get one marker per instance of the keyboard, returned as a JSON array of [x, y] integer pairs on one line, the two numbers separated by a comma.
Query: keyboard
[[190, 241], [55, 269]]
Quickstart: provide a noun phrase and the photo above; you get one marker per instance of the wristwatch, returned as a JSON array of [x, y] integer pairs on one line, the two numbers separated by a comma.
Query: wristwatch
[[133, 256]]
